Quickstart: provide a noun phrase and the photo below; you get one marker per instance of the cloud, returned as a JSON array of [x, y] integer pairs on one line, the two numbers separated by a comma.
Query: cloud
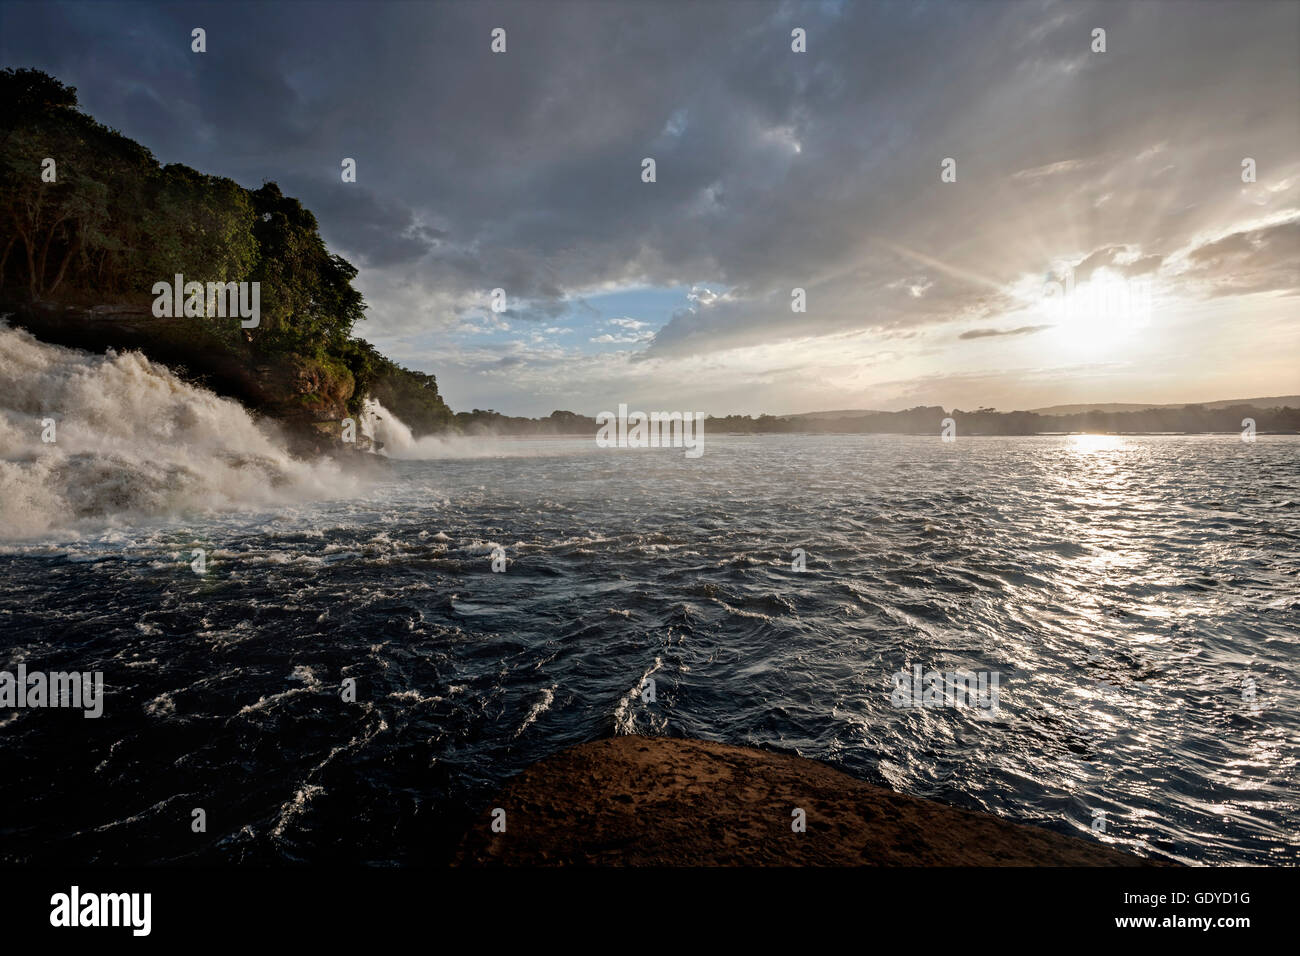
[[1051, 169], [775, 170], [629, 339], [987, 333], [1249, 260]]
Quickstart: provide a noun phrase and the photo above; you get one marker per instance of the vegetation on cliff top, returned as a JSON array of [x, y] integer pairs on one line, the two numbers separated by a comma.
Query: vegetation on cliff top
[[107, 222]]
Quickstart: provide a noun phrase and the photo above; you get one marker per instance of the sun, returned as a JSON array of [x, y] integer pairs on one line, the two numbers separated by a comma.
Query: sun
[[1102, 313]]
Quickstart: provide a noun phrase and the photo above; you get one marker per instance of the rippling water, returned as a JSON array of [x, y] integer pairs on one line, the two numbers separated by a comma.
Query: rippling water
[[1125, 589]]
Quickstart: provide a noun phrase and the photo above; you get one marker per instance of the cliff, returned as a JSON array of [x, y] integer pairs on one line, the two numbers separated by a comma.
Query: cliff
[[91, 223]]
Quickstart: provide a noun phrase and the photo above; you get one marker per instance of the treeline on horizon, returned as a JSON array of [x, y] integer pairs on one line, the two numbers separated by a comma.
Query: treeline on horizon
[[114, 222], [926, 420]]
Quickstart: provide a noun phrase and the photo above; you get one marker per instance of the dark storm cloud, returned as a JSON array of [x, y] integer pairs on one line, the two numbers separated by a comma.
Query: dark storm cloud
[[381, 231], [775, 170]]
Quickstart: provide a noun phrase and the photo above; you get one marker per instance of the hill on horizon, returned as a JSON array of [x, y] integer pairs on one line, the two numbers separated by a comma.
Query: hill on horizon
[[1278, 401], [1273, 401]]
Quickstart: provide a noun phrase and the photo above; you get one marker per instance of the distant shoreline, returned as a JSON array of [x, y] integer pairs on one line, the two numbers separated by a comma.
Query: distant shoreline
[[933, 421], [550, 436]]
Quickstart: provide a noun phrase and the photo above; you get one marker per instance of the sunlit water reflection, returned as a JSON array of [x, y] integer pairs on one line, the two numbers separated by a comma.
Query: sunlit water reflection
[[1125, 589]]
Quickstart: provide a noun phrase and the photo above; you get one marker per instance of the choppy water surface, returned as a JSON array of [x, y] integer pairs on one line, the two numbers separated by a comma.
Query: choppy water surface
[[1124, 589]]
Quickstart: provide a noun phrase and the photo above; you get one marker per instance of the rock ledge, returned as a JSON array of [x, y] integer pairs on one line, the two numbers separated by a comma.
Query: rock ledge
[[644, 801]]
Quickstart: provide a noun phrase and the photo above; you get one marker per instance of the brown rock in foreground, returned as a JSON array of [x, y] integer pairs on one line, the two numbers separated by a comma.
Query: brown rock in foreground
[[654, 801]]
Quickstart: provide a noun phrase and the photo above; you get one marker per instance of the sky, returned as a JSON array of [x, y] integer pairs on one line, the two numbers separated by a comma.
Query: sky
[[980, 206]]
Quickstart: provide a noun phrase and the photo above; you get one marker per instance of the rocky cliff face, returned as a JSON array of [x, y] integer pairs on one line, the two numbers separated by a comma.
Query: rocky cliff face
[[307, 396]]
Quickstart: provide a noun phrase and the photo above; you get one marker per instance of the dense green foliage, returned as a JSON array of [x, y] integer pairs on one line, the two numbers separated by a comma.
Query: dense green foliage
[[412, 396], [112, 222]]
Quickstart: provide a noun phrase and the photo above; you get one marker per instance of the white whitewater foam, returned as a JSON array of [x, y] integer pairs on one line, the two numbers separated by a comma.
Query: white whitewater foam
[[132, 442], [380, 424]]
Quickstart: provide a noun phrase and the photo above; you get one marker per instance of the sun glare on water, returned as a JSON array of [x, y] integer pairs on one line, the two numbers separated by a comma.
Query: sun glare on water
[[1092, 444]]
